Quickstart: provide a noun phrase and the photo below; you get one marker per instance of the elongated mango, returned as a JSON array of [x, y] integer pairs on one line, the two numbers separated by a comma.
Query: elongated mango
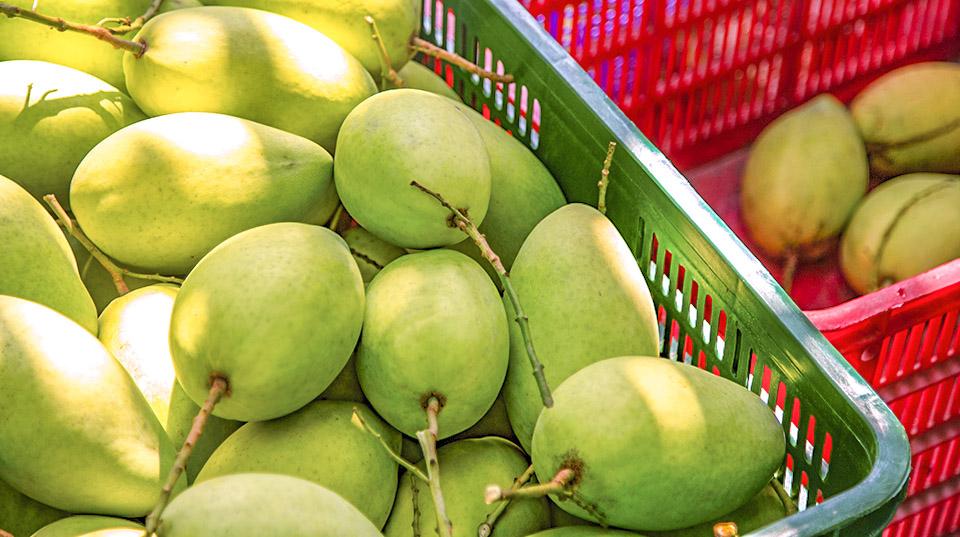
[[910, 119], [91, 526], [905, 226], [805, 174], [22, 515]]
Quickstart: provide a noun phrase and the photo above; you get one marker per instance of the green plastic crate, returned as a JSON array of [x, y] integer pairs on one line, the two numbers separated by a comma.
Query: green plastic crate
[[719, 308]]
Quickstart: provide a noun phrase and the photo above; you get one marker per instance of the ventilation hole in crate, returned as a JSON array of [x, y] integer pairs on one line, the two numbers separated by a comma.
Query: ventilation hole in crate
[[716, 371], [674, 340], [788, 475], [688, 349], [512, 102], [707, 317], [427, 19], [781, 401], [498, 94], [721, 332], [819, 496], [735, 366], [654, 247], [488, 65], [702, 360], [535, 126], [451, 37], [811, 439], [662, 326], [438, 21], [693, 318], [522, 125], [802, 497], [794, 422], [765, 384], [753, 367]]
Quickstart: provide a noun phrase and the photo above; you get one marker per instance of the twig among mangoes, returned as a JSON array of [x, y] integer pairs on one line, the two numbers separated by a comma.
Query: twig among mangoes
[[605, 178], [99, 32], [116, 272], [789, 506], [127, 25], [422, 45], [557, 485], [387, 72], [463, 223], [486, 529], [428, 443], [218, 388], [5, 534], [414, 471]]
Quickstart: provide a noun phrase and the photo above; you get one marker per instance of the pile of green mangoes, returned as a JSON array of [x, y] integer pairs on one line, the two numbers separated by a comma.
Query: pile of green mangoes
[[807, 176], [241, 241]]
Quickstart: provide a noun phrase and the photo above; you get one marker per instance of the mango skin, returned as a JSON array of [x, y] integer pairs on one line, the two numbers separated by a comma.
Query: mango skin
[[321, 443], [657, 451], [804, 175], [69, 113], [77, 433], [560, 518], [323, 209], [234, 506], [342, 21], [522, 193], [346, 387], [371, 253], [434, 325], [584, 531], [135, 329], [91, 526], [25, 40], [391, 140], [254, 311], [918, 103], [905, 226], [22, 515], [162, 193], [763, 509], [250, 64], [415, 75], [467, 467], [37, 263], [586, 299]]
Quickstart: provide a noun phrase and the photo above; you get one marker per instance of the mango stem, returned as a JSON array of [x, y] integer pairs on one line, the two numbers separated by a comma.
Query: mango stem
[[788, 503], [415, 496], [387, 72], [99, 32], [485, 529], [463, 223], [605, 178], [127, 25], [726, 529], [428, 443], [334, 222], [116, 272], [5, 533], [429, 49], [557, 485], [218, 388], [789, 270], [414, 471]]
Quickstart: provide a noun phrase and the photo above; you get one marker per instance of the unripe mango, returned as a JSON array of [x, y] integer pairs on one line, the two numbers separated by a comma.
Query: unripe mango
[[764, 508], [434, 326], [276, 311], [247, 63], [346, 387], [91, 526], [415, 75], [161, 193], [76, 432], [408, 135], [323, 209], [256, 505], [467, 467], [910, 119], [371, 252], [135, 328], [585, 531], [805, 174], [343, 21], [494, 423], [21, 514], [903, 227], [323, 443], [37, 263], [586, 299], [633, 449], [51, 116]]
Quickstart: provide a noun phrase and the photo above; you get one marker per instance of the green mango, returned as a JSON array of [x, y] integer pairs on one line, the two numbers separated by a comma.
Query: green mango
[[406, 135], [586, 299], [804, 176], [521, 195], [415, 75], [494, 423], [905, 226], [584, 531], [250, 64], [346, 387], [91, 526], [96, 278], [410, 450], [255, 311], [322, 443], [664, 416], [135, 329], [173, 5], [467, 467], [50, 117], [343, 21], [161, 193], [27, 40], [434, 326], [76, 432], [370, 252], [763, 509], [323, 209], [21, 515], [560, 518], [37, 263], [258, 505], [910, 119]]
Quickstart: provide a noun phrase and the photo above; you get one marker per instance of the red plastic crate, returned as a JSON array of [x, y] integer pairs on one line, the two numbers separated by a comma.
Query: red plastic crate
[[701, 78]]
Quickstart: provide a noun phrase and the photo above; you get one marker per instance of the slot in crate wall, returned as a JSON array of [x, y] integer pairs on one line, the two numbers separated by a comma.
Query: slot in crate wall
[[846, 451]]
